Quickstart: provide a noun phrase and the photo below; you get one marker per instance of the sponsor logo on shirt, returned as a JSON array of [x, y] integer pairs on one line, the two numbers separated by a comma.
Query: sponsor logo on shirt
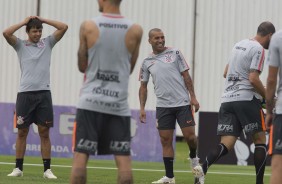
[[233, 77], [113, 26], [109, 76], [106, 92], [240, 48], [105, 105]]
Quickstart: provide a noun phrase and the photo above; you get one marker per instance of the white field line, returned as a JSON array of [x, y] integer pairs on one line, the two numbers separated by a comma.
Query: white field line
[[146, 170]]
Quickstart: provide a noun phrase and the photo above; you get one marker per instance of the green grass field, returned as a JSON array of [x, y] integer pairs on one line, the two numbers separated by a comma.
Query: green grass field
[[104, 172]]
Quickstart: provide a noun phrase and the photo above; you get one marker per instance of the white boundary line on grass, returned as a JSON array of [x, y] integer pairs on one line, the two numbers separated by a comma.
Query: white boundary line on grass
[[146, 170]]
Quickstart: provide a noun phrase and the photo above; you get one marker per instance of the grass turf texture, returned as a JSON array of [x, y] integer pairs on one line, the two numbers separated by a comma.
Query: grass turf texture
[[104, 172]]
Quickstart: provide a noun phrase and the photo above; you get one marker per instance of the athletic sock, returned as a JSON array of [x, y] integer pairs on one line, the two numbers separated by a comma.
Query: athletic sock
[[19, 163], [214, 155], [168, 162], [193, 152], [259, 161], [46, 163]]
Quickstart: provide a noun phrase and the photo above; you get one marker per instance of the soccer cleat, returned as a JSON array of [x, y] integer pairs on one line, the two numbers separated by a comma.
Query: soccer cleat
[[199, 173], [165, 180], [16, 173], [193, 163], [48, 174]]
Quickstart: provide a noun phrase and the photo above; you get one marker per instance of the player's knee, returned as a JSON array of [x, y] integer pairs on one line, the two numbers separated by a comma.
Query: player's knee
[[22, 133]]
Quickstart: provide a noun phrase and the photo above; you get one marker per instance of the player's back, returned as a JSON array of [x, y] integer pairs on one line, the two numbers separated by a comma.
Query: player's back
[[246, 55], [107, 75]]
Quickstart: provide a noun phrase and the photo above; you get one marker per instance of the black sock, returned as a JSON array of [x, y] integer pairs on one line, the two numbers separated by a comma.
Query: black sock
[[19, 163], [259, 161], [214, 155], [168, 162], [193, 152], [46, 163]]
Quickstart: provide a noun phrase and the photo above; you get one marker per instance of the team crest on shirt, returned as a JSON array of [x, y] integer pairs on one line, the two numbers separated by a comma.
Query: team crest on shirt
[[168, 58], [41, 44], [20, 120]]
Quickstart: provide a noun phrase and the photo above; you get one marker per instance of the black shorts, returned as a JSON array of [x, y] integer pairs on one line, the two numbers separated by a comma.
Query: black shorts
[[102, 134], [34, 107], [166, 117], [275, 142], [240, 115]]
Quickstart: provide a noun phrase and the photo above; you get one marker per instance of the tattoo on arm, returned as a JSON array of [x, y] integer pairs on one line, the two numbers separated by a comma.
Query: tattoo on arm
[[189, 84]]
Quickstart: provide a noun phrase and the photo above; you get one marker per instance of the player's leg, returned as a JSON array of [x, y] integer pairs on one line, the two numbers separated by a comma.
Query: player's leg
[[22, 120], [79, 171], [260, 154], [123, 163], [255, 126], [44, 121], [276, 169], [275, 145], [85, 138], [166, 120], [116, 140]]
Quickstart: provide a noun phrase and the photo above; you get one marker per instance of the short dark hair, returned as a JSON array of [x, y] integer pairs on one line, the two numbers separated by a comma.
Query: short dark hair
[[154, 30], [265, 28], [33, 23], [116, 2]]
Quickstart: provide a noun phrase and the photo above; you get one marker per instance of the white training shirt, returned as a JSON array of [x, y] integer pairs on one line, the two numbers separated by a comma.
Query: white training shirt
[[246, 55]]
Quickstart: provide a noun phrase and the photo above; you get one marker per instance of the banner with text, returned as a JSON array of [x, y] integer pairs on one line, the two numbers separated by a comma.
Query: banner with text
[[145, 144]]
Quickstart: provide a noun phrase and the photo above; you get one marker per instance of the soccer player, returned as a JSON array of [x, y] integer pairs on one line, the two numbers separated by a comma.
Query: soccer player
[[108, 51], [34, 102], [241, 108], [275, 121], [176, 99]]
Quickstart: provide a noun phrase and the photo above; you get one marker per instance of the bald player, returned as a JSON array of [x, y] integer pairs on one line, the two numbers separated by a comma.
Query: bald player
[[241, 108], [108, 51], [34, 102], [176, 99], [275, 120]]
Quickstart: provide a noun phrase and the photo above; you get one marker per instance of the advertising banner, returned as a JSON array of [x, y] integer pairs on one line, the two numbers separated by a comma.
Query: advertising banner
[[145, 144]]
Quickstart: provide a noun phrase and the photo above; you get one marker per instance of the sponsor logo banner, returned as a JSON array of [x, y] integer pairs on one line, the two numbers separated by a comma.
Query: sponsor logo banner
[[145, 143]]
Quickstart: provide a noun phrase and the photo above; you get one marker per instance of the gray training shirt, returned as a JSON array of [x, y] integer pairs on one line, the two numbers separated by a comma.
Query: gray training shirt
[[35, 59], [275, 60], [105, 88], [246, 55], [166, 69]]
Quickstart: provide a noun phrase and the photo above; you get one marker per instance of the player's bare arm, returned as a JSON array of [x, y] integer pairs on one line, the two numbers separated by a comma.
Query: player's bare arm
[[270, 94], [225, 71], [9, 32], [88, 36], [60, 26], [256, 82], [133, 40], [190, 87], [143, 99]]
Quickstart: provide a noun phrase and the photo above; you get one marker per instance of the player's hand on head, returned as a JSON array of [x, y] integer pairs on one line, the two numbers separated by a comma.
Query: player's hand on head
[[27, 19]]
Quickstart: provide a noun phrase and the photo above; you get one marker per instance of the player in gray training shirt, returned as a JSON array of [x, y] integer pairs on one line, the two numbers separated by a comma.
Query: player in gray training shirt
[[175, 98], [274, 122], [241, 108], [108, 51], [34, 102]]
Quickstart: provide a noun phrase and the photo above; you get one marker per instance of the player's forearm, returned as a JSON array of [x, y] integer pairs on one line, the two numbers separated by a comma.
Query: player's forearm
[[257, 84], [189, 85], [12, 29], [142, 97], [58, 25], [270, 94]]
